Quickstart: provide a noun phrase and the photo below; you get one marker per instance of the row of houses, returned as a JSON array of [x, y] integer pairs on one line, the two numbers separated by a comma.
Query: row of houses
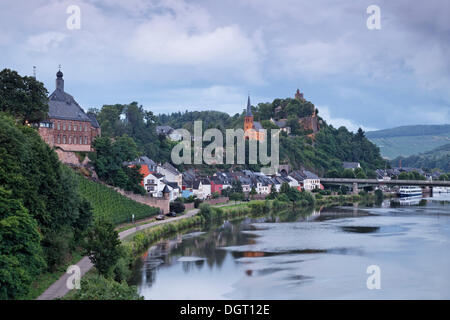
[[394, 172], [202, 187], [164, 180], [159, 180]]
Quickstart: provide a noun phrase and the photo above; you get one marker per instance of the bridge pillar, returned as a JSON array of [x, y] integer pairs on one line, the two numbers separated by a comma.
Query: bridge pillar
[[355, 188]]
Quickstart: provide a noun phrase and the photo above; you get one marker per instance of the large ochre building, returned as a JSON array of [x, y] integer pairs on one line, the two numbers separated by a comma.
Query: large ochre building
[[67, 126]]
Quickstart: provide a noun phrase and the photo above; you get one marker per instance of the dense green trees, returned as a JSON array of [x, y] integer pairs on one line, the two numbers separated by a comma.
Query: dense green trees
[[138, 124], [438, 158], [31, 173], [109, 161], [101, 288], [102, 246], [21, 257], [22, 97], [412, 175]]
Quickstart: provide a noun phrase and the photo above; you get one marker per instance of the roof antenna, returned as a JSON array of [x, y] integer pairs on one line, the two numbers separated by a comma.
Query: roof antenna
[[34, 72], [59, 66]]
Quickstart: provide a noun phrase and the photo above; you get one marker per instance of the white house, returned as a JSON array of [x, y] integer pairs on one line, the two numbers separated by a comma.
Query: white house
[[311, 181], [154, 184], [174, 190], [171, 173]]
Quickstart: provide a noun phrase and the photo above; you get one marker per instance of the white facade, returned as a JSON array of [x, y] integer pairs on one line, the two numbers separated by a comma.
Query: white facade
[[170, 175], [154, 185], [311, 184], [293, 182]]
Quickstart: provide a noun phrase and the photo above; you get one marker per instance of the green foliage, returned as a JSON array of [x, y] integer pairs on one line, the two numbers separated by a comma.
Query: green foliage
[[138, 124], [295, 196], [108, 162], [100, 288], [22, 97], [410, 140], [102, 246], [21, 257], [177, 207], [47, 189], [438, 158], [412, 175], [109, 204]]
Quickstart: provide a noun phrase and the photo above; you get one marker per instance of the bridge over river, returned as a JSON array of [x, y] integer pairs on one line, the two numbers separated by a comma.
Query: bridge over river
[[375, 182]]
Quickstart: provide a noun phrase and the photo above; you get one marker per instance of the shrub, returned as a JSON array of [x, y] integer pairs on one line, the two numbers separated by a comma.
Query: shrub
[[101, 288], [177, 207]]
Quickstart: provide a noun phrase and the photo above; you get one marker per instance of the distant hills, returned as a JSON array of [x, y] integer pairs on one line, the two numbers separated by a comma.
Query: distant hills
[[437, 158], [409, 140]]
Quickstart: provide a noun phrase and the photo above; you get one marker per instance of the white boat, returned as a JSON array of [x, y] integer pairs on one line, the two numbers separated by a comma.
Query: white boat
[[441, 189], [410, 191]]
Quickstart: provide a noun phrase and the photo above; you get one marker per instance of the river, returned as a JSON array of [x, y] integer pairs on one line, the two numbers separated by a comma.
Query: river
[[313, 254]]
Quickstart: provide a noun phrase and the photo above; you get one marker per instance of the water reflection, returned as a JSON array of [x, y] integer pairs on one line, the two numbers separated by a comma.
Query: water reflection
[[321, 253]]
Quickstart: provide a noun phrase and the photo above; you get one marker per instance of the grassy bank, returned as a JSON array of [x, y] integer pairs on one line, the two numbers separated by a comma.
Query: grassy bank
[[106, 203]]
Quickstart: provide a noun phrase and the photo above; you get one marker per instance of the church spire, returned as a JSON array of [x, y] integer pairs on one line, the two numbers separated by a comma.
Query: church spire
[[249, 108]]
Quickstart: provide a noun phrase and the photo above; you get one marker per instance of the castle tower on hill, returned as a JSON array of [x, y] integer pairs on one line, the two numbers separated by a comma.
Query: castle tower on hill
[[299, 95], [252, 129]]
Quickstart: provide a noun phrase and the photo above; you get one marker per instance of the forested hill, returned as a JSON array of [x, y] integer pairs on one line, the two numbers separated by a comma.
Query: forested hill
[[438, 158], [409, 140], [327, 150]]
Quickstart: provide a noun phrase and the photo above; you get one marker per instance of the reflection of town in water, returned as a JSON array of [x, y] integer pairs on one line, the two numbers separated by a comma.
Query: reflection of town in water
[[316, 253]]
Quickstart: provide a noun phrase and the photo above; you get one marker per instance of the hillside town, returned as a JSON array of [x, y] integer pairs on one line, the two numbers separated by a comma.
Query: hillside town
[[165, 178]]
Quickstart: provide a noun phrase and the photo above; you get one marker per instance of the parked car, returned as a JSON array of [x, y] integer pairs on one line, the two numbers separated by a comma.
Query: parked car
[[171, 214], [160, 217]]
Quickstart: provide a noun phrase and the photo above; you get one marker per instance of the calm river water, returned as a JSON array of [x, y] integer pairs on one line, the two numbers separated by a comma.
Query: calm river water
[[308, 255]]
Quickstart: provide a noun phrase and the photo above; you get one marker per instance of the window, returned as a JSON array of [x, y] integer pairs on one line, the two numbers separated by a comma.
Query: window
[[75, 127], [59, 125], [75, 140], [70, 126], [85, 140], [59, 138], [70, 139], [64, 139], [64, 126], [85, 127]]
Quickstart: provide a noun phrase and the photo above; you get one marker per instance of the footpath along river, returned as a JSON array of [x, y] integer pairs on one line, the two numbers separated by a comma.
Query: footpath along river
[[319, 254]]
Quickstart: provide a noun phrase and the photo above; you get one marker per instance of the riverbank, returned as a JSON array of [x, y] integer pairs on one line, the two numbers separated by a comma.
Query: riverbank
[[149, 233]]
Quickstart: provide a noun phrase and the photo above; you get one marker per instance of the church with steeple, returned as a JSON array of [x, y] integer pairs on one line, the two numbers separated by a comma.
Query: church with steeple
[[67, 126], [252, 129]]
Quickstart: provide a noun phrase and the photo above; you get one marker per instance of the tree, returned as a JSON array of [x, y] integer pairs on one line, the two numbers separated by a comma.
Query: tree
[[102, 246], [273, 193], [360, 174], [21, 257], [332, 174], [177, 207], [236, 196], [253, 191], [285, 188], [348, 173], [101, 288], [24, 98]]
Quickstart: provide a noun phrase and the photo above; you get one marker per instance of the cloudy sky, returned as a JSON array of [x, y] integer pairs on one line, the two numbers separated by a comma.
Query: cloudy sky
[[177, 55]]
